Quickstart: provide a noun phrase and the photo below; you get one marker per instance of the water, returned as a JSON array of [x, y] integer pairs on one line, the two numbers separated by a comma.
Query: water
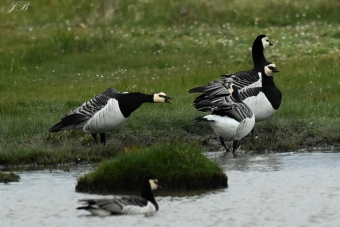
[[291, 189]]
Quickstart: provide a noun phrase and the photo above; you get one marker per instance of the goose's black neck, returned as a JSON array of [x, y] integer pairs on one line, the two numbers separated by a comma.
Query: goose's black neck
[[267, 81], [258, 56], [147, 194], [272, 93], [131, 101]]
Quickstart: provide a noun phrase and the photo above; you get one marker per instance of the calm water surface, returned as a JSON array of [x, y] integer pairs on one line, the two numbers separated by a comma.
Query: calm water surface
[[291, 189]]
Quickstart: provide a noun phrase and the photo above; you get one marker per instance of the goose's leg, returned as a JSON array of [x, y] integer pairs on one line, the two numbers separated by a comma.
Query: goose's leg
[[103, 138], [236, 144], [94, 135], [223, 144], [253, 132]]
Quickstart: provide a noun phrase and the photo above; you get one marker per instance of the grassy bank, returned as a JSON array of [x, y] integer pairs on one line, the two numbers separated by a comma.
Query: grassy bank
[[177, 166], [57, 54]]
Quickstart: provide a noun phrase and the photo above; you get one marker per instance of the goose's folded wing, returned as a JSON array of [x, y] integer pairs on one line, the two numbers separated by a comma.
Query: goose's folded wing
[[133, 200], [111, 92], [249, 92], [243, 78], [116, 205], [92, 106], [214, 88], [104, 204], [224, 106], [78, 117]]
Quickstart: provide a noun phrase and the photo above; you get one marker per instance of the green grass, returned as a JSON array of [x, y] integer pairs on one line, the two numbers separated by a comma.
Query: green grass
[[58, 54], [177, 167]]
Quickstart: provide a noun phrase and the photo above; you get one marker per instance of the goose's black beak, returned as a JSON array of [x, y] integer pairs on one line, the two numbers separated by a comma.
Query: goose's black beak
[[270, 44], [275, 70], [167, 99]]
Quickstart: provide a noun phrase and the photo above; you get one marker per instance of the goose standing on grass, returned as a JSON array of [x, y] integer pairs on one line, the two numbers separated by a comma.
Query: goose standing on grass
[[106, 112], [250, 78], [145, 204], [264, 101], [110, 92], [230, 117]]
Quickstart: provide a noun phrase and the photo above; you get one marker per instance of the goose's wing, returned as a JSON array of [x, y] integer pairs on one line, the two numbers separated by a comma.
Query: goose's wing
[[214, 88], [107, 205], [249, 92], [114, 206], [225, 106], [76, 118], [211, 91], [111, 92], [242, 79]]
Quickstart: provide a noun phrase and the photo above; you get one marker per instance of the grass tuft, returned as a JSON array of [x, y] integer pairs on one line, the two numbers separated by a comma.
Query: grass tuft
[[177, 166], [8, 177]]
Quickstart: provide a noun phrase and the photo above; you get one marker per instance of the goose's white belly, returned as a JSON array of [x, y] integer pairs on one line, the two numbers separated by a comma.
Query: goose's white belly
[[260, 106], [108, 118], [230, 128], [245, 127]]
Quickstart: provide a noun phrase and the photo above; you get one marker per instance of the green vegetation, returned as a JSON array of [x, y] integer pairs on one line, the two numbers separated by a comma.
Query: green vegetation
[[8, 177], [58, 54], [177, 166]]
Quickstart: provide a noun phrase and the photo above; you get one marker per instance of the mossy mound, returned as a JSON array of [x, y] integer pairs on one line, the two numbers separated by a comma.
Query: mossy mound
[[8, 177], [177, 167]]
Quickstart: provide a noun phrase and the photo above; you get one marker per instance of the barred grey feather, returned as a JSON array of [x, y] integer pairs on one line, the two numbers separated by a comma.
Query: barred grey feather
[[111, 92], [224, 106], [250, 92], [92, 106], [116, 205], [241, 79]]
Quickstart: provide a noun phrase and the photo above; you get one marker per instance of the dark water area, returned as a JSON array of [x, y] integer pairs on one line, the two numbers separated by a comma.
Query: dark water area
[[287, 189]]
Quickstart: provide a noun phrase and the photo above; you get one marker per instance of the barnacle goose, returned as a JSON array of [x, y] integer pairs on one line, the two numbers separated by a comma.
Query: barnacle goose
[[106, 112], [264, 101], [230, 117], [250, 78], [145, 204]]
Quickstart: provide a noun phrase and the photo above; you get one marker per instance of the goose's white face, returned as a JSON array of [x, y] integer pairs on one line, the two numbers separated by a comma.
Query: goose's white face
[[161, 97], [153, 184], [265, 42], [270, 69]]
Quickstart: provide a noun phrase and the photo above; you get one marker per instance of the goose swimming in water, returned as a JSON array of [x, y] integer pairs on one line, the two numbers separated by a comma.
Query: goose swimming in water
[[145, 204]]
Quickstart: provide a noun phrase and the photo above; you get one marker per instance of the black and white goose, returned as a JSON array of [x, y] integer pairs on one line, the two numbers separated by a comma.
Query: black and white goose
[[250, 78], [106, 112], [230, 117], [145, 204], [264, 101]]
